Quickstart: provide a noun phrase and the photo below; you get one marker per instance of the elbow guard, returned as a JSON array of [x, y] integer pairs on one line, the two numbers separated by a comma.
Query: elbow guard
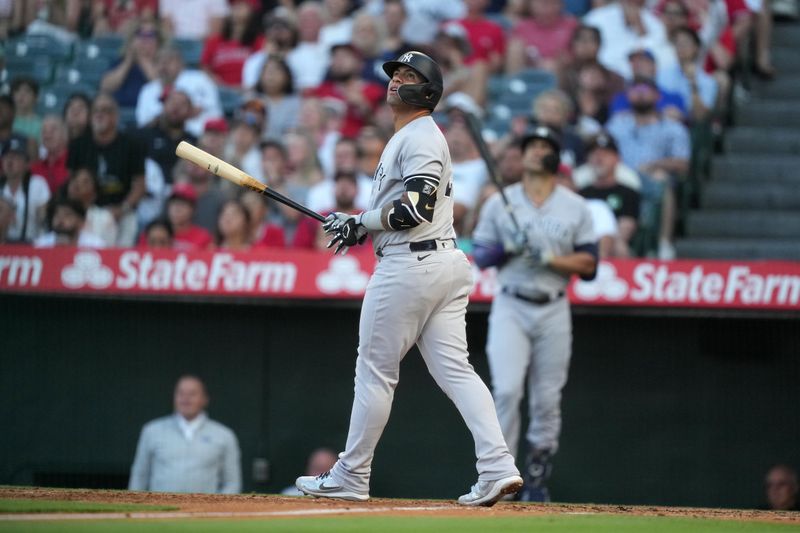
[[415, 206]]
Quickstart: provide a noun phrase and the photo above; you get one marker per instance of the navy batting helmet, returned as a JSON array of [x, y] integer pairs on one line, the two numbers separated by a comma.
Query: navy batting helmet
[[552, 161], [426, 94]]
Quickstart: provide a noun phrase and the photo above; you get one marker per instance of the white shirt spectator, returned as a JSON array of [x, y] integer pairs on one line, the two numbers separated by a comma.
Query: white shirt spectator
[[584, 175], [618, 39], [423, 18], [190, 18], [468, 179], [38, 196], [100, 222], [339, 32], [605, 224], [307, 61], [201, 90], [674, 80], [86, 239], [321, 196]]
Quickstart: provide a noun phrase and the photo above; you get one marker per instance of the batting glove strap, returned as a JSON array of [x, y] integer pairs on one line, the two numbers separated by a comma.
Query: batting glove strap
[[346, 232]]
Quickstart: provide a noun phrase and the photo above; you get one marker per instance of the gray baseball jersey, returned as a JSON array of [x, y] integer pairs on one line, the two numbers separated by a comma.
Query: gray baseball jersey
[[559, 225], [417, 298], [527, 341], [418, 150]]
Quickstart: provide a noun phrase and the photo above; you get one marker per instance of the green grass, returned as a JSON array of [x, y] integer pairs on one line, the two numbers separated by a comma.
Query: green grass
[[412, 524], [47, 506]]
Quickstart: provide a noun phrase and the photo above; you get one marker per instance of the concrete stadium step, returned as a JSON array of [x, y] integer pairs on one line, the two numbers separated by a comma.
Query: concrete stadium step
[[757, 168], [786, 35], [749, 140], [754, 195], [783, 87], [786, 59], [769, 113], [782, 224], [746, 249]]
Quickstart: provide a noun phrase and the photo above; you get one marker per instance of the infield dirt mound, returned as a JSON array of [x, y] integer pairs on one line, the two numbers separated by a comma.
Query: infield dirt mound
[[244, 504]]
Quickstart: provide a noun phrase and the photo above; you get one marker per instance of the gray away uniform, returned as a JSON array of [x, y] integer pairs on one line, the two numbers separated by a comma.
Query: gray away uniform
[[417, 297], [528, 339]]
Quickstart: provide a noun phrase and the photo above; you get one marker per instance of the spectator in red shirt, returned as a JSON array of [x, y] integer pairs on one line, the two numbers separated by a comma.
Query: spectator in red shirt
[[53, 167], [113, 16], [344, 83], [180, 208], [487, 39], [262, 232], [233, 227], [541, 40], [224, 54]]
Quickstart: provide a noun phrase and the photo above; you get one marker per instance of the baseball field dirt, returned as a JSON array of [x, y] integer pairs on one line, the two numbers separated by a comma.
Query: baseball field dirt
[[136, 511]]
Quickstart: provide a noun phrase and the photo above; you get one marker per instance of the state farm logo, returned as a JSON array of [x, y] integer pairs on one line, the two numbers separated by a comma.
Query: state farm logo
[[607, 285], [344, 274], [87, 269]]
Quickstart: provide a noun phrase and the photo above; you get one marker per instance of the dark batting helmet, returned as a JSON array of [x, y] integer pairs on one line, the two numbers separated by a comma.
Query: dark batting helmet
[[426, 94], [551, 162]]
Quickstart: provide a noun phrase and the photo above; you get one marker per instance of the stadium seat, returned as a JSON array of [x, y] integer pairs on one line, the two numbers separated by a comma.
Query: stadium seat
[[517, 92], [39, 68], [127, 118], [105, 49], [230, 100], [191, 50], [52, 99], [31, 46], [81, 73]]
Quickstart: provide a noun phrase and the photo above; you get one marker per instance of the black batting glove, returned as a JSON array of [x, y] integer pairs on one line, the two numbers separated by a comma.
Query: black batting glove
[[346, 230]]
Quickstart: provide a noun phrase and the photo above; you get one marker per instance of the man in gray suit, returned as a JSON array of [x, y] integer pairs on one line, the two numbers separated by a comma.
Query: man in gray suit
[[187, 451]]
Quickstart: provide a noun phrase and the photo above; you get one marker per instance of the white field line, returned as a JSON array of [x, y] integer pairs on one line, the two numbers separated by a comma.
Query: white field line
[[35, 517]]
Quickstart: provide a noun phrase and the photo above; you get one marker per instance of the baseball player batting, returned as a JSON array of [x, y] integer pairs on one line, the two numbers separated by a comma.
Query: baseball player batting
[[417, 294], [530, 327]]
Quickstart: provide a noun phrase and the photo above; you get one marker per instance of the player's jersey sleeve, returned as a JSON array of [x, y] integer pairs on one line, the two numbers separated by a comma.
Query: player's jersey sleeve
[[487, 232], [419, 159], [585, 233]]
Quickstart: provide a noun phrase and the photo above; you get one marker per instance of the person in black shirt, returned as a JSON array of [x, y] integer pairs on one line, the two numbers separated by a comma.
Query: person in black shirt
[[623, 201], [162, 136], [118, 160]]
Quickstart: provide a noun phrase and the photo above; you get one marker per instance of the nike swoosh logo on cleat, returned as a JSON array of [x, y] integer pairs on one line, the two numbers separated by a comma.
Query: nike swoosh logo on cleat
[[421, 257], [323, 488]]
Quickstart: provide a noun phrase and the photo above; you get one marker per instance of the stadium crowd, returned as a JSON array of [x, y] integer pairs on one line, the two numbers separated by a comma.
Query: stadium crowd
[[97, 94]]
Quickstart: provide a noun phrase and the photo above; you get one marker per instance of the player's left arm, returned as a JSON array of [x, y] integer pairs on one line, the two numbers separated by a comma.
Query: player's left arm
[[583, 260]]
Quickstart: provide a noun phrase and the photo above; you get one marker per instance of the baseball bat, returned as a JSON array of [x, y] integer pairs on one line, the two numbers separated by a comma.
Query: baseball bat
[[220, 168], [474, 128]]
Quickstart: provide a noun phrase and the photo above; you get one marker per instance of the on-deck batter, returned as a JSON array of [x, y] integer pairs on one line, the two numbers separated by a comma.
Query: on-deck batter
[[530, 327], [417, 294]]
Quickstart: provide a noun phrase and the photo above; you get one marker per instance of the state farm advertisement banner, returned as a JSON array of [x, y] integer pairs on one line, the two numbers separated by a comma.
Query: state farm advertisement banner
[[773, 285]]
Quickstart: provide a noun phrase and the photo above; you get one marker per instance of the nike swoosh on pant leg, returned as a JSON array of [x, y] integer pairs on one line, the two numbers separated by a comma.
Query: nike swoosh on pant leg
[[421, 257]]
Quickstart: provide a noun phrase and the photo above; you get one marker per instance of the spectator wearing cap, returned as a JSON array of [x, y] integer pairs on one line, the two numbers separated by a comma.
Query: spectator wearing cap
[[487, 38], [643, 66], [7, 115], [627, 25], [280, 38], [624, 201], [28, 192], [25, 91], [82, 187], [659, 149], [180, 210], [275, 87], [127, 75], [224, 54], [67, 223], [215, 133], [53, 166], [338, 26], [117, 158], [193, 19], [541, 40], [241, 149], [697, 88], [344, 84], [172, 75], [263, 233]]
